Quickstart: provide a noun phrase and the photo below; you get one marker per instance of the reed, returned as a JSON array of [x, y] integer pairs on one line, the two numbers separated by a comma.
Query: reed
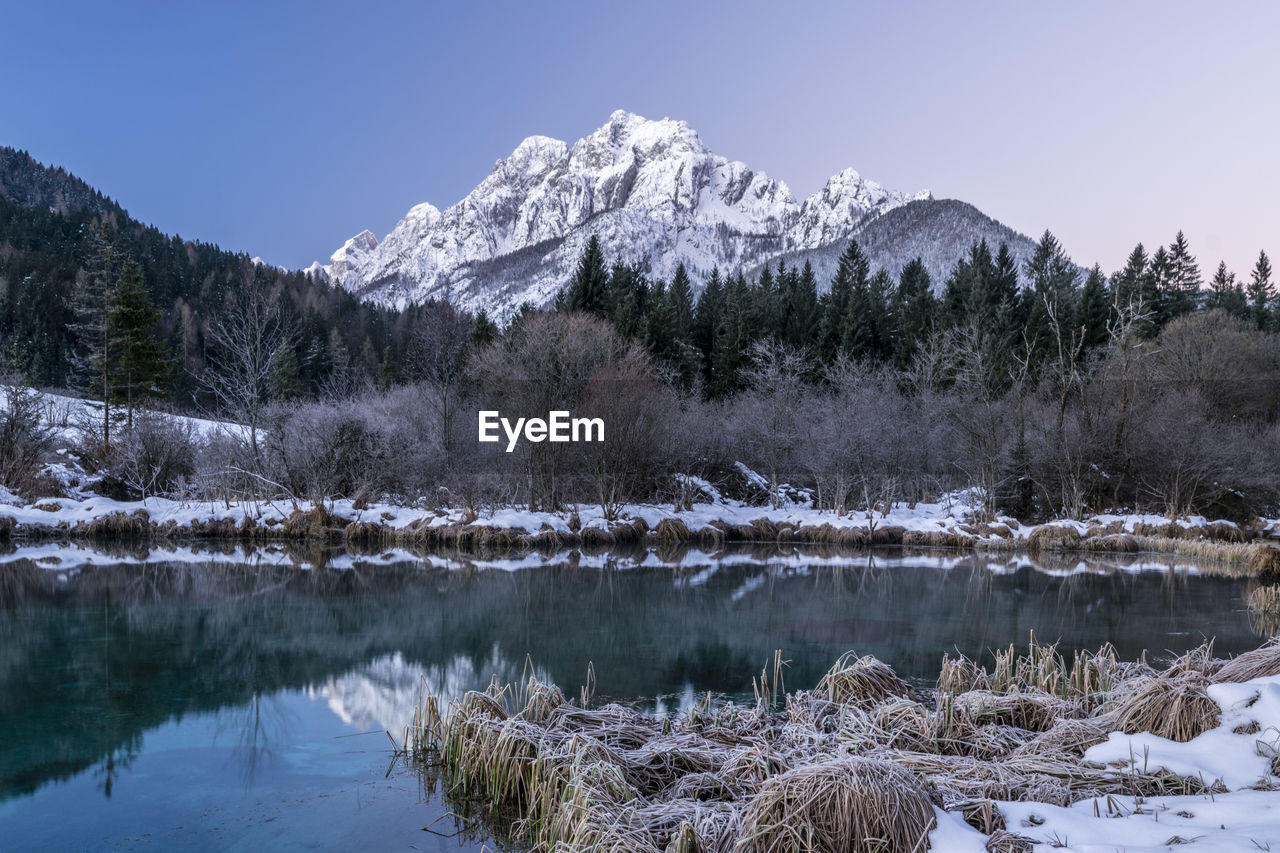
[[1264, 560], [1050, 537], [672, 530], [1258, 663], [854, 804], [863, 681], [1171, 705], [857, 764]]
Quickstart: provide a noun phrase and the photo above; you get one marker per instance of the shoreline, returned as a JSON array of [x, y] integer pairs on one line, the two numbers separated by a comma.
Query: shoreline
[[706, 527], [1218, 545]]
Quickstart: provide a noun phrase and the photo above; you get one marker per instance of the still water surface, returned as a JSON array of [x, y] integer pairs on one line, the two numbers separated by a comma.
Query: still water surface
[[224, 706]]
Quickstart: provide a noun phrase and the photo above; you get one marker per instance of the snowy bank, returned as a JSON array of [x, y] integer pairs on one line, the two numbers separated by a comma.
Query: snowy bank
[[949, 522]]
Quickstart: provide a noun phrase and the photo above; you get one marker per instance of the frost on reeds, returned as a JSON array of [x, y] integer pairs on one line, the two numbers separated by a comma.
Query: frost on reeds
[[1259, 663], [863, 681], [857, 764], [848, 803]]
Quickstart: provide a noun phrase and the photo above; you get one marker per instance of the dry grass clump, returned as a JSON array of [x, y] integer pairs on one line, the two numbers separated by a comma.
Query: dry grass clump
[[1168, 530], [315, 523], [1173, 706], [1003, 841], [672, 530], [133, 525], [1035, 712], [596, 537], [848, 804], [937, 539], [1113, 543], [864, 681], [1259, 663], [851, 537], [888, 534], [1264, 560], [1042, 670], [1265, 599], [1069, 736], [710, 538], [367, 533], [857, 764], [1223, 531], [902, 724], [1048, 537]]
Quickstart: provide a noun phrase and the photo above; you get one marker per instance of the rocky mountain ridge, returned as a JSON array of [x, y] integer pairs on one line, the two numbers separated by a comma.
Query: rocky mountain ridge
[[653, 193]]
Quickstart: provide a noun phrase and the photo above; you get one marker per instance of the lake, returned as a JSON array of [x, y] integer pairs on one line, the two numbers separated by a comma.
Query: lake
[[236, 702]]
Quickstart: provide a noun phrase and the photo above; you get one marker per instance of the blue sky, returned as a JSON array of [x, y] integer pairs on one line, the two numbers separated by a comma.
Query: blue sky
[[281, 129]]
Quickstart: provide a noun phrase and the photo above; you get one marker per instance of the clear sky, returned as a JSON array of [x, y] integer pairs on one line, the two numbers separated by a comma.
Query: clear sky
[[281, 129]]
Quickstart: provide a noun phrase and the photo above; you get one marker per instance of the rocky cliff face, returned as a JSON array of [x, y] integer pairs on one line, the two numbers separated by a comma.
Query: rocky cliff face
[[652, 192]]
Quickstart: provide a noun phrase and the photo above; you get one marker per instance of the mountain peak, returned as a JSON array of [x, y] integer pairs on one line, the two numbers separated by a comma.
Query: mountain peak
[[653, 193]]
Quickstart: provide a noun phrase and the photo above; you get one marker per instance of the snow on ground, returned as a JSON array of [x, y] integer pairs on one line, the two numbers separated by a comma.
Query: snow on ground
[[948, 515], [1245, 820], [1239, 753], [69, 416]]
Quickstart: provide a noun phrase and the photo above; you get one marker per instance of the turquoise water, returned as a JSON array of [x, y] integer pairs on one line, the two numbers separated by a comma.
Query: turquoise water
[[217, 706]]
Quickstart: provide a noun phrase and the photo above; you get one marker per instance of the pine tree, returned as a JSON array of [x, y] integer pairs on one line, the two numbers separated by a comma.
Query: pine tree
[[627, 299], [1159, 283], [802, 315], [657, 329], [139, 362], [1127, 285], [834, 305], [1095, 310], [1050, 300], [1186, 280], [285, 379], [706, 319], [768, 305], [881, 316], [589, 289], [1226, 293], [856, 334], [731, 341], [969, 289], [1259, 292], [1003, 287], [91, 302], [681, 296], [914, 308], [1003, 314], [1183, 288], [483, 330]]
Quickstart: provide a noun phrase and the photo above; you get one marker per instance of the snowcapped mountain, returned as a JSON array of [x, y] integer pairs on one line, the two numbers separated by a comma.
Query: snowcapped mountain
[[651, 190]]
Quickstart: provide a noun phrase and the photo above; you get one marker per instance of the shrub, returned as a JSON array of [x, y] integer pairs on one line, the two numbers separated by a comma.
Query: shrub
[[25, 440]]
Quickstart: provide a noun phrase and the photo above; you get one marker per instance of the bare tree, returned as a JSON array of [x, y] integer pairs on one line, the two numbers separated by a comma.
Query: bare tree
[[248, 335], [437, 356], [772, 408]]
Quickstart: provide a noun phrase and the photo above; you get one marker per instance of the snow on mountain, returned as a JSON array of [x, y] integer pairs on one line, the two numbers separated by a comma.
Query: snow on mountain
[[937, 231], [651, 190]]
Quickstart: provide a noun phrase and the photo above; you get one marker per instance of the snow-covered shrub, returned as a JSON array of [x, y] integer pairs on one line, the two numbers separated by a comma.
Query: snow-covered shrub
[[324, 450], [155, 456], [25, 441]]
